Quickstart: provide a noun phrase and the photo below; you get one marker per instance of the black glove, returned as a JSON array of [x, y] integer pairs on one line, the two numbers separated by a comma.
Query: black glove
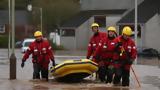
[[88, 57], [22, 64], [53, 63]]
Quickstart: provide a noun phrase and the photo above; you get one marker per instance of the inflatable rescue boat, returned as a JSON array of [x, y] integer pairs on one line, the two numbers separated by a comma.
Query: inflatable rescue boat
[[73, 70]]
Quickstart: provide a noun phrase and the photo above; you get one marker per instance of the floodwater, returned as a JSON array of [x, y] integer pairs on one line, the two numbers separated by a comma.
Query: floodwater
[[148, 75]]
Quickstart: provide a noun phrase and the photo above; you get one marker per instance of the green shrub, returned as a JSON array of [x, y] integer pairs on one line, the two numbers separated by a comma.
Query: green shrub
[[3, 41]]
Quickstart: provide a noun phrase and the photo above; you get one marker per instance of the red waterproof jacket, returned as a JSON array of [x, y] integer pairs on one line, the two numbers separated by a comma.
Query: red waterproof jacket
[[93, 43], [124, 52], [105, 51], [41, 53]]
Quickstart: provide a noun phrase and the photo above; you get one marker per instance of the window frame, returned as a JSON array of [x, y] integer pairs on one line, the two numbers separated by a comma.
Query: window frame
[[68, 32], [2, 28]]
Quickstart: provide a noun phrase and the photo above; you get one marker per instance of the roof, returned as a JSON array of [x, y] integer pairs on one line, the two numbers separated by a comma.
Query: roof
[[82, 16], [146, 10], [21, 17]]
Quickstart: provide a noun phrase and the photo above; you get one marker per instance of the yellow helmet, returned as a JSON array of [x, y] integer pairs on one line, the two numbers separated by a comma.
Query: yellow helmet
[[95, 25], [37, 34], [111, 28], [127, 31]]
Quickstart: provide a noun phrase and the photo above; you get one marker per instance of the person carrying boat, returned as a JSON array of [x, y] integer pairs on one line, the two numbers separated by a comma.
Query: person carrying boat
[[104, 56], [126, 52], [94, 40]]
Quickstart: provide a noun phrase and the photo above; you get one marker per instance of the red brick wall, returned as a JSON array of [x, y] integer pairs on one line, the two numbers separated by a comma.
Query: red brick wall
[[21, 31]]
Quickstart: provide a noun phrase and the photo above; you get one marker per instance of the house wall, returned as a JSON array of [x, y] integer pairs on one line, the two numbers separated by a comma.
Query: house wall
[[81, 39], [83, 33], [112, 20], [68, 42], [141, 42], [152, 33], [22, 29], [107, 4]]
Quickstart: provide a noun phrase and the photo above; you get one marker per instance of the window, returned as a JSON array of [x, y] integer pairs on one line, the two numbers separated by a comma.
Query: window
[[101, 20], [68, 32], [2, 28]]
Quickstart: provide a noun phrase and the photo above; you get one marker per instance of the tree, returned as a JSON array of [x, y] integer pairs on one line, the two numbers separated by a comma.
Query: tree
[[3, 4], [55, 12], [20, 4]]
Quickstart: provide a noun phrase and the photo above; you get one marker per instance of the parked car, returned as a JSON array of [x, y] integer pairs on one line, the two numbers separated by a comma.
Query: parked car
[[18, 44], [25, 44], [149, 52]]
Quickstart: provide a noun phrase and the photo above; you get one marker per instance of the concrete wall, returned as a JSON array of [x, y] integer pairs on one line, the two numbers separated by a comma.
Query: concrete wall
[[81, 39], [152, 33], [68, 42], [107, 4], [83, 33], [112, 20]]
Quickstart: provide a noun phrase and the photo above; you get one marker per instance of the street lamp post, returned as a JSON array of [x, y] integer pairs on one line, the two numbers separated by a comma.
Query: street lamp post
[[9, 27], [135, 25], [29, 7], [13, 57], [135, 22]]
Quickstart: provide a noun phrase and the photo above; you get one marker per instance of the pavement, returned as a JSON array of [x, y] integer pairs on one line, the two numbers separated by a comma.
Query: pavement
[[148, 75]]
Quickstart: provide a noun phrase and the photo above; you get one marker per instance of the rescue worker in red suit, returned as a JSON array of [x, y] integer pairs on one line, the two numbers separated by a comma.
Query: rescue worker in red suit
[[94, 40], [41, 55], [104, 56], [125, 55]]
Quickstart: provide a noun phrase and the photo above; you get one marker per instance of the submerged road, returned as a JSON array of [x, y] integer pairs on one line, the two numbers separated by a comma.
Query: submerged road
[[149, 76]]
